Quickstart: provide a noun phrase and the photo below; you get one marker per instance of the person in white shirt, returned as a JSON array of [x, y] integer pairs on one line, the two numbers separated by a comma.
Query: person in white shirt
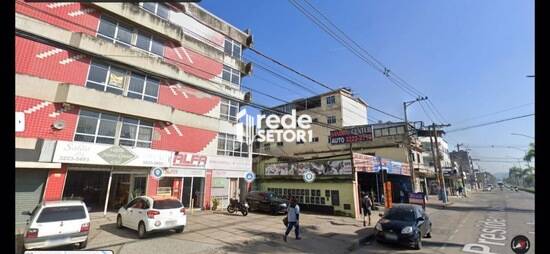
[[293, 216]]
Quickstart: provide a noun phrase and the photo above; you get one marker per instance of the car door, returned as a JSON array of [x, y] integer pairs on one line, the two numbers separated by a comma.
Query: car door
[[125, 213], [265, 202], [134, 212], [422, 224]]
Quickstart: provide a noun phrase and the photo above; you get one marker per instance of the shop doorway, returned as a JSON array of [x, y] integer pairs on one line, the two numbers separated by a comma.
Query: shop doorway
[[88, 186], [124, 188], [120, 191], [193, 192]]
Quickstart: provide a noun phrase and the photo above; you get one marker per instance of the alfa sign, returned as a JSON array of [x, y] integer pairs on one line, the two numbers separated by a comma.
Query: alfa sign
[[187, 160], [352, 135]]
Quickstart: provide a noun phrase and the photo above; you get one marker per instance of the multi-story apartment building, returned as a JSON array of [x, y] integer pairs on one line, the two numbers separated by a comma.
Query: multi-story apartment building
[[465, 167], [110, 91], [336, 187]]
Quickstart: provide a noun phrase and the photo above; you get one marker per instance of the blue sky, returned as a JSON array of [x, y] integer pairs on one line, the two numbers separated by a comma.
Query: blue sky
[[469, 57]]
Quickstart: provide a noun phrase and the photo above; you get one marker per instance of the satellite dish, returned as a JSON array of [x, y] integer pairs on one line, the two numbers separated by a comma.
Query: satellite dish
[[59, 124]]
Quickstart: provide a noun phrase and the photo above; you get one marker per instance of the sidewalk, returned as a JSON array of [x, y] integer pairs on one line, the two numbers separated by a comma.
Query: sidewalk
[[220, 232]]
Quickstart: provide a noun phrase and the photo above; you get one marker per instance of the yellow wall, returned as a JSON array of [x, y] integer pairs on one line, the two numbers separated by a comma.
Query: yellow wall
[[345, 189]]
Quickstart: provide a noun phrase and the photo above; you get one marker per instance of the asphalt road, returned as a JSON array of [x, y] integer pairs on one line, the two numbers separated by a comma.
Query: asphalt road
[[484, 223]]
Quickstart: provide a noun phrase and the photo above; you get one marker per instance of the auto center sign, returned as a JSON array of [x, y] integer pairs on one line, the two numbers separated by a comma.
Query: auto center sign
[[352, 135]]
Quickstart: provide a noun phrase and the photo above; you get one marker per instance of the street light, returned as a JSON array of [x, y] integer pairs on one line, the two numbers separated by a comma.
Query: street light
[[409, 150], [519, 134]]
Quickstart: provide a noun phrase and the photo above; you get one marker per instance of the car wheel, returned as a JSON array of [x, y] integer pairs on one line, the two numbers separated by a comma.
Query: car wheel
[[418, 244], [119, 221], [179, 230], [141, 230], [83, 245]]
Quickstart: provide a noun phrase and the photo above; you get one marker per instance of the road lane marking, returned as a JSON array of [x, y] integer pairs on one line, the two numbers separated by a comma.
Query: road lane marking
[[532, 233], [530, 223]]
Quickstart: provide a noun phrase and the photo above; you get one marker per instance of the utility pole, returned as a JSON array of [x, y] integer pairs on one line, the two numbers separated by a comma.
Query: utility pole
[[439, 159], [433, 156], [409, 150]]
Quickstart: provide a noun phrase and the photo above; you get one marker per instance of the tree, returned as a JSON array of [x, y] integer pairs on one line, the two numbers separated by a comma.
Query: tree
[[530, 153]]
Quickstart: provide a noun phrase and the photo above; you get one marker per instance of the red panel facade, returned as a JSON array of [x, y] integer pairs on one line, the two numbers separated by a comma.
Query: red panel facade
[[192, 62], [176, 187], [75, 17], [40, 115], [55, 184], [187, 99], [207, 189], [47, 62], [152, 185], [182, 138]]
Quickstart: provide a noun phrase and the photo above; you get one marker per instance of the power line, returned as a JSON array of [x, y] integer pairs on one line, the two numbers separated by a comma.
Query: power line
[[398, 81], [493, 113], [489, 123]]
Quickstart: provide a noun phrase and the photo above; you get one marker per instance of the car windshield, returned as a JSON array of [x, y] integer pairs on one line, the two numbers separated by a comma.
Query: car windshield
[[403, 214], [167, 204], [61, 213]]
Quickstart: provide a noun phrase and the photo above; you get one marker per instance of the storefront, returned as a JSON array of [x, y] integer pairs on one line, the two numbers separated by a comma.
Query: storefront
[[373, 171], [105, 177], [228, 178], [332, 191]]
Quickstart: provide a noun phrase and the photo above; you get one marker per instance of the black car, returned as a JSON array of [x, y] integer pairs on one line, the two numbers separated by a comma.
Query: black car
[[404, 224], [267, 202]]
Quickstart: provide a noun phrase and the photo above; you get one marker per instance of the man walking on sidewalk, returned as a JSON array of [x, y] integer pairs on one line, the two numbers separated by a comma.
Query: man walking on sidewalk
[[293, 215], [367, 206]]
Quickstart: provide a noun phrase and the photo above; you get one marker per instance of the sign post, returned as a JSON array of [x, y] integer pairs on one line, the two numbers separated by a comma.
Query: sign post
[[417, 198], [388, 194]]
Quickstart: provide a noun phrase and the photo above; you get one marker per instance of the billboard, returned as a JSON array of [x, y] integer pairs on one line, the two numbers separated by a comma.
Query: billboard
[[352, 135], [319, 167]]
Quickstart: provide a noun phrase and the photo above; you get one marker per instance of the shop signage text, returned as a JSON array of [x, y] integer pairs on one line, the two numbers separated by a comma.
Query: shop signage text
[[187, 160], [320, 167], [100, 154], [353, 135]]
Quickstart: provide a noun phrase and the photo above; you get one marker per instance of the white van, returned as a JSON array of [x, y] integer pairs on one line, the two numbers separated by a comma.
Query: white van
[[57, 223]]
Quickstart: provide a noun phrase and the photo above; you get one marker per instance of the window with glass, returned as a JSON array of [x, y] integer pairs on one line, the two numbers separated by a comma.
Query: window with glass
[[143, 87], [232, 48], [331, 119], [96, 127], [150, 43], [231, 75], [230, 146], [115, 31], [99, 127], [229, 110], [158, 9], [108, 78], [122, 34], [136, 133], [331, 100]]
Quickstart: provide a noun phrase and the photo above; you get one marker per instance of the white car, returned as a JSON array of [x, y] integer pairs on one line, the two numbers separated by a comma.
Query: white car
[[57, 223], [146, 214]]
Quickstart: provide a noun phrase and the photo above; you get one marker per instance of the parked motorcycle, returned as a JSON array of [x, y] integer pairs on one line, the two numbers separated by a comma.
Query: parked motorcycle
[[235, 205]]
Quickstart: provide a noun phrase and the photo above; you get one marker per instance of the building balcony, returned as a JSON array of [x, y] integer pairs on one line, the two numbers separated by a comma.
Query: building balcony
[[134, 14], [134, 59], [37, 88]]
